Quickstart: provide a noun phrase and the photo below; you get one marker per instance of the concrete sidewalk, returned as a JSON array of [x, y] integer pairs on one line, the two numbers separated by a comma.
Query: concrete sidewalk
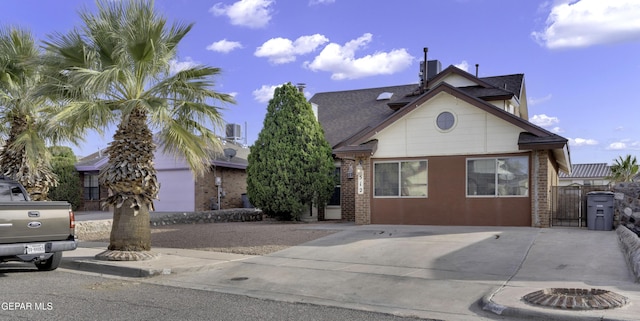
[[440, 272]]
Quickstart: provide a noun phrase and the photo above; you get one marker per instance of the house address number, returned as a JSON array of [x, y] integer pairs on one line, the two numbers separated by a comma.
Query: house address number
[[360, 182]]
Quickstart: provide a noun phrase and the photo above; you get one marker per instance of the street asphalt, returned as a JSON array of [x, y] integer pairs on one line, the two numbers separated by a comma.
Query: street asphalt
[[440, 272]]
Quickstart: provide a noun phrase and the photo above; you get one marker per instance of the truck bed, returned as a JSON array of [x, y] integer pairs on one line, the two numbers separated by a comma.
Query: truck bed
[[31, 221]]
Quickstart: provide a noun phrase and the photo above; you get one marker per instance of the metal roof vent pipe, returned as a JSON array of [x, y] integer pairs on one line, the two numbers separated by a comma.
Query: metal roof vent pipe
[[424, 69], [301, 86]]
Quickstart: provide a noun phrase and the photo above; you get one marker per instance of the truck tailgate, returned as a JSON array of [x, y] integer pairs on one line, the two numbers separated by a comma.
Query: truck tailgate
[[30, 221]]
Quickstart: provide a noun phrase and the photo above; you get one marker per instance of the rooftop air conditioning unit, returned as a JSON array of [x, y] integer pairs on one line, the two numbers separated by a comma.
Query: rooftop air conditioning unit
[[234, 132]]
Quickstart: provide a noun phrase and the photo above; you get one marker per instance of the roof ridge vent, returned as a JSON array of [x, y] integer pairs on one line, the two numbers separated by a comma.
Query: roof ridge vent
[[384, 96]]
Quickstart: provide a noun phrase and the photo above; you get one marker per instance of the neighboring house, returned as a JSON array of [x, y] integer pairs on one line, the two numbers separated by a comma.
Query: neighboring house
[[458, 150], [587, 175], [179, 189]]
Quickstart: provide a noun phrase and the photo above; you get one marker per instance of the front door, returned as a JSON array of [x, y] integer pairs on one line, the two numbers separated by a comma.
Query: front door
[[333, 211]]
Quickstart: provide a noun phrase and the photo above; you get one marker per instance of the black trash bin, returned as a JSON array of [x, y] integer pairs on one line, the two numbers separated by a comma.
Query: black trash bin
[[245, 201], [600, 211]]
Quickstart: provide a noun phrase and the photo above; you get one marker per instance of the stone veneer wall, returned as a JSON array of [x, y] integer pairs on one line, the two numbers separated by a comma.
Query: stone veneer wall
[[221, 216], [626, 207]]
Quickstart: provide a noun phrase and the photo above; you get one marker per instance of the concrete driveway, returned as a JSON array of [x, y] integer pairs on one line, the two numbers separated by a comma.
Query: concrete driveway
[[439, 272]]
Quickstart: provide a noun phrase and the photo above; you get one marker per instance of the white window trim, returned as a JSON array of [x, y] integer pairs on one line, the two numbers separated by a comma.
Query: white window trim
[[399, 177], [495, 195]]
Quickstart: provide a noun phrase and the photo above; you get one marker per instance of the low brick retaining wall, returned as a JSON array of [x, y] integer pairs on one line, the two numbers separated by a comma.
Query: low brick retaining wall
[[219, 216]]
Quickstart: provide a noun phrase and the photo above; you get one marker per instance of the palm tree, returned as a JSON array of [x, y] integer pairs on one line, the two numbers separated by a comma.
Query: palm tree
[[625, 169], [116, 70], [25, 115]]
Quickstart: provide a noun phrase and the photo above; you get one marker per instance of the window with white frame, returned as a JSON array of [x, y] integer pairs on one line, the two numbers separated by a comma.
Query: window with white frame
[[498, 177], [400, 179]]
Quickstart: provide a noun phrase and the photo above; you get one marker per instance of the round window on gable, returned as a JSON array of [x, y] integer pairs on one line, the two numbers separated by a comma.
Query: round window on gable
[[445, 121]]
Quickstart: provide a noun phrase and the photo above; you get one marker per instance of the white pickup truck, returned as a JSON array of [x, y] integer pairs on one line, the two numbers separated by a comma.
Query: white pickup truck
[[33, 231]]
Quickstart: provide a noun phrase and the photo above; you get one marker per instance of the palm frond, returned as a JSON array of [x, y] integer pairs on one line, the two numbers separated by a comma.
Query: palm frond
[[197, 150]]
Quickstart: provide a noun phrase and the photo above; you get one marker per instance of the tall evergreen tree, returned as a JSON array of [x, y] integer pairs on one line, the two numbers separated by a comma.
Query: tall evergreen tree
[[290, 164], [63, 163]]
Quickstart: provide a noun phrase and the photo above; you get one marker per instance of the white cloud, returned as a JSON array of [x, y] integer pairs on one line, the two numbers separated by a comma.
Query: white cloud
[[264, 93], [536, 101], [233, 94], [544, 120], [557, 130], [619, 128], [341, 61], [582, 142], [282, 50], [315, 2], [574, 24], [464, 65], [624, 144], [175, 65], [248, 13], [224, 46], [617, 146]]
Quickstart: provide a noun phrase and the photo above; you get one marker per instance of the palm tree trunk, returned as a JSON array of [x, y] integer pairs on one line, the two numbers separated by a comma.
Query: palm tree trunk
[[36, 177], [131, 178], [130, 231]]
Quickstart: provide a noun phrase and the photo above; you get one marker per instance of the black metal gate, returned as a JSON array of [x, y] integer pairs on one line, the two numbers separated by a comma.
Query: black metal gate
[[569, 204]]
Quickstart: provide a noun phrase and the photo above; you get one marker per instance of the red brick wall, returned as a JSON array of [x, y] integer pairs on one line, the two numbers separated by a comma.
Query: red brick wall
[[363, 201], [348, 192], [234, 184], [547, 176]]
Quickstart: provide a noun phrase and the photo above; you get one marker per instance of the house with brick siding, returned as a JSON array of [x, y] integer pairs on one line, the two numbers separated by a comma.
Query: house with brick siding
[[456, 149], [222, 187]]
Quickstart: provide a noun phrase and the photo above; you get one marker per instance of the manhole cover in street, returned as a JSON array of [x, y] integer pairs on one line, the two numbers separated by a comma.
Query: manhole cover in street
[[576, 299]]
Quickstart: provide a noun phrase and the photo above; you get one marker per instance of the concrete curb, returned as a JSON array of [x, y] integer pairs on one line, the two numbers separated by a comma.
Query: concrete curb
[[118, 270], [167, 261], [487, 304]]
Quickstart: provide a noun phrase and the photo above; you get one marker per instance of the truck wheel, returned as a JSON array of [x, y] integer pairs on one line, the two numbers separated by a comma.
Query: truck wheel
[[50, 264]]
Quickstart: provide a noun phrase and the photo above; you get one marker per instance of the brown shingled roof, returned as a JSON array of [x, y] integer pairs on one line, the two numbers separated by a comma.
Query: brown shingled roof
[[345, 113]]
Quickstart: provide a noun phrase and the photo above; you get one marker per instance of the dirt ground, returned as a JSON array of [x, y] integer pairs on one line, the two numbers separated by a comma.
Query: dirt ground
[[254, 238]]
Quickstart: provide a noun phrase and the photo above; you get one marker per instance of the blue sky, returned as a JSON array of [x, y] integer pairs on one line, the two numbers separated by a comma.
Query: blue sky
[[580, 58]]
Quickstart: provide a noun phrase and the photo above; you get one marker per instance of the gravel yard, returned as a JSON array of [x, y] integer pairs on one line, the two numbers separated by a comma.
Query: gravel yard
[[254, 238]]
